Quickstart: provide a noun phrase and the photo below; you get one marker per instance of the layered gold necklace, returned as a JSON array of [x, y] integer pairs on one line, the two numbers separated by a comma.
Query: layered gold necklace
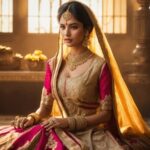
[[74, 61]]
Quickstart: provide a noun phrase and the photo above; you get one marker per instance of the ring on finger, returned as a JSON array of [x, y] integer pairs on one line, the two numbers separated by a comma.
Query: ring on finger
[[52, 122], [22, 121]]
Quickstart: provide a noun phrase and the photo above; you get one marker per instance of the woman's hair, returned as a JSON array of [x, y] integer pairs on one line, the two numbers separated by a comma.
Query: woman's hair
[[78, 11]]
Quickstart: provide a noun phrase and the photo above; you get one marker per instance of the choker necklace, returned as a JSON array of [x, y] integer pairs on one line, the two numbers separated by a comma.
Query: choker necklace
[[74, 61]]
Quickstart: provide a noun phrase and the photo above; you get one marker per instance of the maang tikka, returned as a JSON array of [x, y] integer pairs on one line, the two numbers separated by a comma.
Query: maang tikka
[[67, 14]]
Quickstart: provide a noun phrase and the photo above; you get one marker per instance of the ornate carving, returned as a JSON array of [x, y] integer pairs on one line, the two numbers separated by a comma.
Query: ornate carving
[[144, 3]]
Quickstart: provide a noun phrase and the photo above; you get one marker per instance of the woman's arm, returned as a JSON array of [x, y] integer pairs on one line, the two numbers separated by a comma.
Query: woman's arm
[[46, 103], [102, 117], [45, 107]]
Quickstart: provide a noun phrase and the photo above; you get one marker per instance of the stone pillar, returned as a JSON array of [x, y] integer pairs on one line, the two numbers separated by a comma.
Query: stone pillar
[[142, 22], [138, 72]]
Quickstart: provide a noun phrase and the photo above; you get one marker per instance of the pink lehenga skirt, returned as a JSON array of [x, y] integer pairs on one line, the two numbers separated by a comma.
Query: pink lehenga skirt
[[36, 138], [33, 138]]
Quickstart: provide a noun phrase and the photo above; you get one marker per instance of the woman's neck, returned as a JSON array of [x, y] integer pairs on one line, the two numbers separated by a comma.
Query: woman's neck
[[77, 50]]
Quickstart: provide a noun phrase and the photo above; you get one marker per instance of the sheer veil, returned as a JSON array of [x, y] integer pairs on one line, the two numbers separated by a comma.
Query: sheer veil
[[128, 117]]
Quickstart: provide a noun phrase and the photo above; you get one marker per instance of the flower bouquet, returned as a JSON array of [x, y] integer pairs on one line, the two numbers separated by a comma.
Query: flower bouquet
[[5, 55], [17, 61], [36, 60], [9, 60]]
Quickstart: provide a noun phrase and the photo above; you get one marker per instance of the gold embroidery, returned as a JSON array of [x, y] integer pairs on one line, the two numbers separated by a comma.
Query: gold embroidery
[[73, 62], [67, 140], [106, 103], [81, 91], [46, 99], [51, 143], [75, 109]]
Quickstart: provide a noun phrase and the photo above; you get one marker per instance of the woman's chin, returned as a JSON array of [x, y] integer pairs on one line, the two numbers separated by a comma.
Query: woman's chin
[[69, 44]]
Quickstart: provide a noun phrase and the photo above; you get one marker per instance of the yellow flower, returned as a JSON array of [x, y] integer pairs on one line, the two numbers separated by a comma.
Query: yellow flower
[[28, 56], [42, 57], [37, 52], [36, 56]]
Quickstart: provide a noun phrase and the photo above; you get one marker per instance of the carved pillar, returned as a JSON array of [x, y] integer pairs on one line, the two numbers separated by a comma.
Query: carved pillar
[[142, 22], [138, 72], [139, 69]]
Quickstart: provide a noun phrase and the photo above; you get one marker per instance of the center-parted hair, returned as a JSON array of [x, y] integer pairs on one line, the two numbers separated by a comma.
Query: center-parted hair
[[78, 11]]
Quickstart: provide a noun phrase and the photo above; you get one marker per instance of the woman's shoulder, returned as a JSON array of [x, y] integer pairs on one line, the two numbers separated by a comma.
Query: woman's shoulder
[[52, 62], [98, 60]]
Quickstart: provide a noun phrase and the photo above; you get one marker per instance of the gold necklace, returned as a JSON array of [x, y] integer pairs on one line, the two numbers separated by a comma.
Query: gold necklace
[[74, 61]]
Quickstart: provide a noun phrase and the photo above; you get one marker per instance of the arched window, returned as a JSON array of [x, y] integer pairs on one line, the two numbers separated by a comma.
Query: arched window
[[42, 16], [6, 16], [112, 15]]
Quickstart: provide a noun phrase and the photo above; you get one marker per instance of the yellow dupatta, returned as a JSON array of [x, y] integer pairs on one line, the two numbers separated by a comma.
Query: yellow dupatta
[[129, 119]]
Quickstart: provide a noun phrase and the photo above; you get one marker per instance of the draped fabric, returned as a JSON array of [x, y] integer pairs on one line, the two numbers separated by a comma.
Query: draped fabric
[[124, 103], [33, 138]]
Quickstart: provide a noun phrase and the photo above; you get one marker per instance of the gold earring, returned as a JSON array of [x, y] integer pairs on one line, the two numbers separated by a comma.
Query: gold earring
[[85, 40]]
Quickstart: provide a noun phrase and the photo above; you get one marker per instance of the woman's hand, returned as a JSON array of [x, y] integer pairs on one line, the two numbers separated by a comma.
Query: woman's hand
[[55, 123], [23, 122]]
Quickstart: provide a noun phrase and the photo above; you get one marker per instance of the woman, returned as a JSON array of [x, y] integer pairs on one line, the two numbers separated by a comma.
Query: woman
[[90, 102]]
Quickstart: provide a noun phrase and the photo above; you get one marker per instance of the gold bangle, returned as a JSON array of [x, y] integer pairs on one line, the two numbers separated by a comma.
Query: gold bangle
[[71, 123], [35, 116], [81, 123], [77, 123]]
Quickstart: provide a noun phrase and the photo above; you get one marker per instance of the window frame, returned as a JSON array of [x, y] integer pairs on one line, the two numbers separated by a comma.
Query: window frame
[[24, 31], [12, 21]]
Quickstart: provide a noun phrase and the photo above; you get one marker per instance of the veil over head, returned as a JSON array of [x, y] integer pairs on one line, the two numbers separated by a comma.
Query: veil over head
[[128, 117]]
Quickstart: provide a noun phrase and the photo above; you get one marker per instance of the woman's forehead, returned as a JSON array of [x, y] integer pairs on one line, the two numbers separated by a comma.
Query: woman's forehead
[[70, 20]]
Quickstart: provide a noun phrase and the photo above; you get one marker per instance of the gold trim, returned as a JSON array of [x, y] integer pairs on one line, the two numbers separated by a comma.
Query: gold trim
[[54, 84]]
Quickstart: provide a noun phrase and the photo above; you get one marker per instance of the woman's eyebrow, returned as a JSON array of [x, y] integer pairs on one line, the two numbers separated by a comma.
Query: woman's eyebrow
[[69, 24]]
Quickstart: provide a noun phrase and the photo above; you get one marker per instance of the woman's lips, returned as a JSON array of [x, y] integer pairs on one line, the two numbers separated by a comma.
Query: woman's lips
[[67, 40]]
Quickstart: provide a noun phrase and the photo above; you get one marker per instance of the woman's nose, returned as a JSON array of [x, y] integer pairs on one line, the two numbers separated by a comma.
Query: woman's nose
[[67, 32]]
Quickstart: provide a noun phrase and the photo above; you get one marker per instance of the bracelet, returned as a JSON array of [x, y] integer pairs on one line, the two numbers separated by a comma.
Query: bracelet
[[81, 123], [36, 117], [77, 123], [71, 123]]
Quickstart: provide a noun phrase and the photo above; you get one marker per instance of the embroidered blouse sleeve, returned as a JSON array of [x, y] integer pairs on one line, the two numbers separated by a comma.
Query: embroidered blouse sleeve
[[46, 96], [105, 88]]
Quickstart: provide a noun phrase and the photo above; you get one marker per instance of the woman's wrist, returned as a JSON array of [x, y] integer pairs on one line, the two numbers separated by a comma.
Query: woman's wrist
[[35, 117], [77, 123]]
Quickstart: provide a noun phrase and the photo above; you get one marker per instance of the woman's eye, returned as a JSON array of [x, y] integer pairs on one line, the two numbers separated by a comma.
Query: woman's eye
[[62, 27], [74, 27]]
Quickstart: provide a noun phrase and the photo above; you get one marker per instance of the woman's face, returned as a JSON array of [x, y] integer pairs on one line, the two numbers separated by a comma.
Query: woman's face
[[72, 31]]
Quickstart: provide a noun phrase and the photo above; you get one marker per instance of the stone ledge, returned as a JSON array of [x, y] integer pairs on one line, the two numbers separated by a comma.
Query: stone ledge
[[138, 78], [22, 76]]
